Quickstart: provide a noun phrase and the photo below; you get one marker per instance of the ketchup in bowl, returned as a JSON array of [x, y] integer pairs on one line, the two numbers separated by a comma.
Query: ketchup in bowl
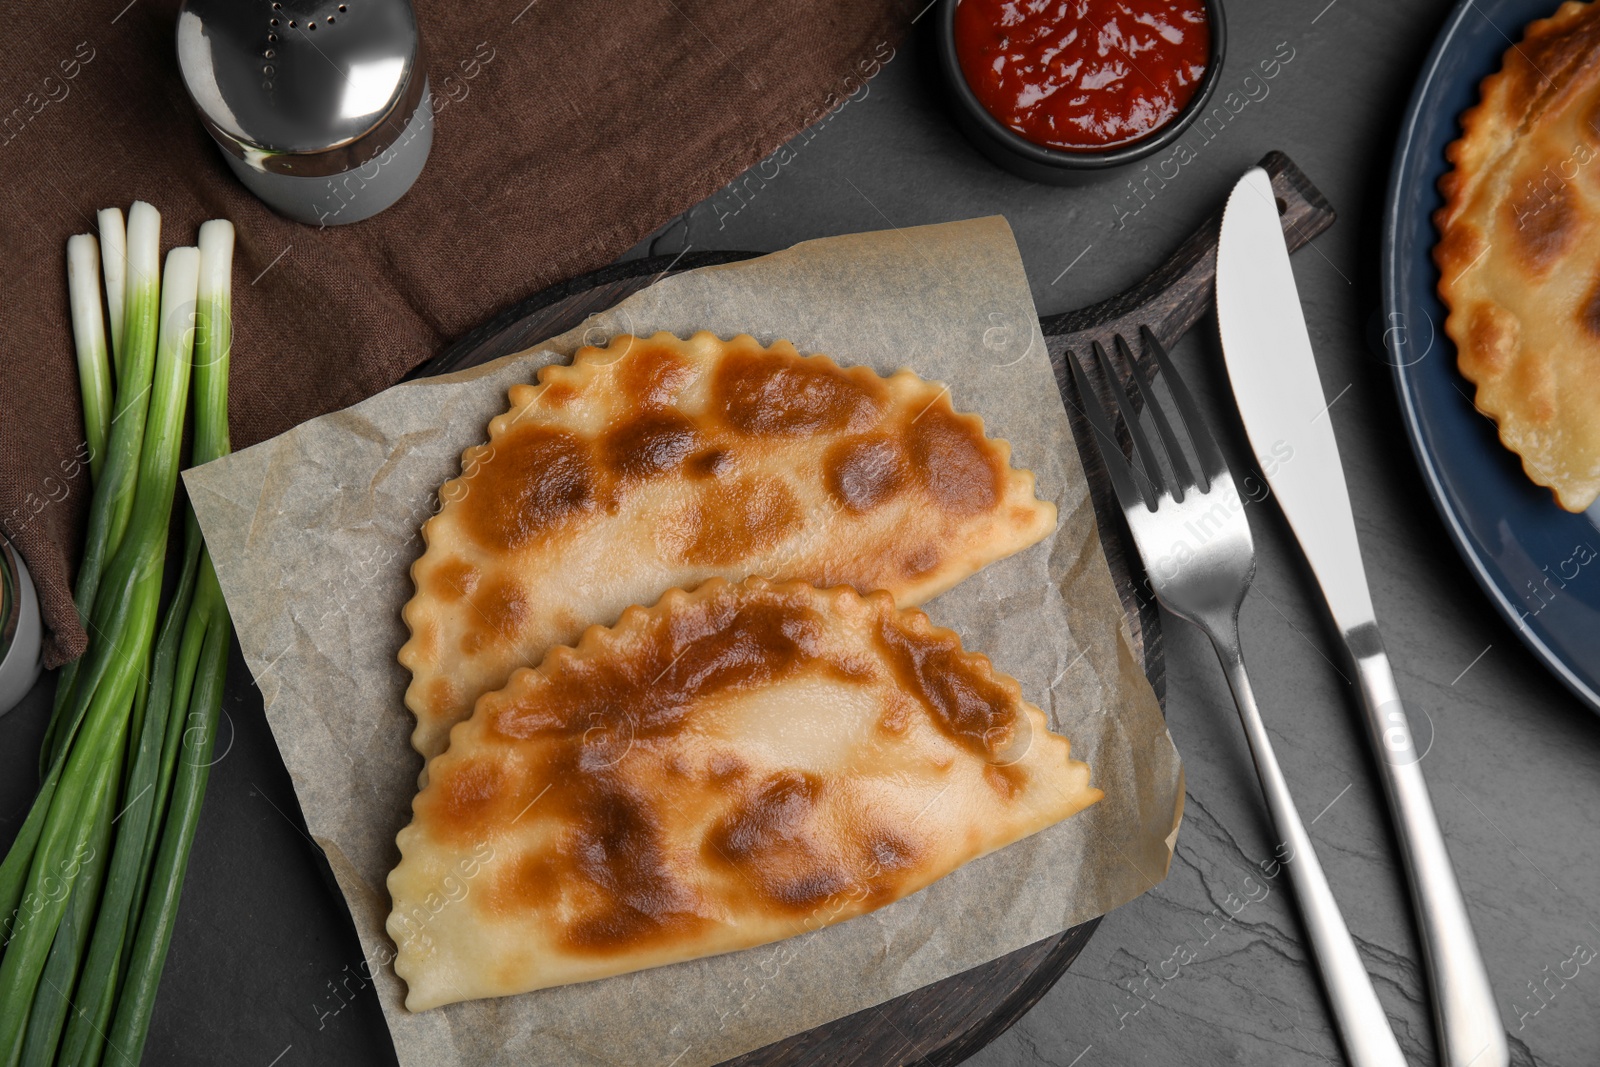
[[1083, 75]]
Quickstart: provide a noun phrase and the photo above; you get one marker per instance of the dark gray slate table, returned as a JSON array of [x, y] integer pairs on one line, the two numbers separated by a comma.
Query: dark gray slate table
[[1514, 762]]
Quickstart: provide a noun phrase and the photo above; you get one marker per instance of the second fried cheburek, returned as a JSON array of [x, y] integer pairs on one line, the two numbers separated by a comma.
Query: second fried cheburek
[[730, 767], [656, 463], [1519, 251]]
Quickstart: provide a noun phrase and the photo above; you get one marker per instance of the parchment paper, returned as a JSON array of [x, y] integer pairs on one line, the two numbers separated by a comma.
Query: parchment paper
[[313, 533]]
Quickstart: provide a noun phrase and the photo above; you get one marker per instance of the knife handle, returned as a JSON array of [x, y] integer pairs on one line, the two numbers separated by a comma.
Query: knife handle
[[1465, 1016], [1363, 1026]]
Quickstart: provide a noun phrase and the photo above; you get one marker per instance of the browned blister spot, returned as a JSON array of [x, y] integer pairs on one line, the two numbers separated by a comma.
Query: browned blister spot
[[1589, 311], [616, 848], [712, 463], [773, 817], [558, 394], [653, 374], [1545, 228], [806, 886], [454, 579], [957, 465], [770, 841], [764, 393], [530, 880], [649, 445], [733, 521], [1589, 130], [863, 472], [441, 692], [725, 767], [973, 710], [920, 560], [502, 608], [896, 715], [1493, 337], [467, 795], [889, 851], [1459, 249], [536, 480], [1008, 781], [890, 858]]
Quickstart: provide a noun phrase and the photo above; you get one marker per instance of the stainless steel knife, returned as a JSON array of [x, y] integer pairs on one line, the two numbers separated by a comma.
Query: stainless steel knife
[[1280, 397]]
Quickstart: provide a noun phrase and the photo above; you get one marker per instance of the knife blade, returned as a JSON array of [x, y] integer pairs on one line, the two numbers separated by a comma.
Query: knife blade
[[1285, 412]]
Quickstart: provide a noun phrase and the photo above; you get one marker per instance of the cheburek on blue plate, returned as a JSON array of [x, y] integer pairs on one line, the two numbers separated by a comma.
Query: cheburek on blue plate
[[1539, 564]]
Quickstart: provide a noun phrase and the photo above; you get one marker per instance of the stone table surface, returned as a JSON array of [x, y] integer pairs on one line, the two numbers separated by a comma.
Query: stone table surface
[[1514, 759]]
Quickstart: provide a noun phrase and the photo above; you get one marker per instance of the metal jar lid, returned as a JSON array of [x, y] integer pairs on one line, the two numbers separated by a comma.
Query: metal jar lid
[[307, 89]]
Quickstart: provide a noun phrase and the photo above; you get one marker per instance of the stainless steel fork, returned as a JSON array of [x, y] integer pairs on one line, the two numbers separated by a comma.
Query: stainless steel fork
[[1189, 525]]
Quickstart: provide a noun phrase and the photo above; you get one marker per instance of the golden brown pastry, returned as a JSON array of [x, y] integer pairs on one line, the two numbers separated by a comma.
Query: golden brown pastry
[[659, 463], [730, 767], [1519, 252]]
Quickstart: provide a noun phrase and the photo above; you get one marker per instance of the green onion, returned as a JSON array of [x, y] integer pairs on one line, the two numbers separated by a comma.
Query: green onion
[[63, 850], [197, 731], [113, 498], [144, 325], [137, 999], [54, 997], [124, 614], [89, 337], [214, 341], [114, 259], [130, 861], [89, 890]]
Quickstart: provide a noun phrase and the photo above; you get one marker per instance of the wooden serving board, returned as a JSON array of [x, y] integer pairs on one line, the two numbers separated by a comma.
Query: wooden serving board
[[944, 1023]]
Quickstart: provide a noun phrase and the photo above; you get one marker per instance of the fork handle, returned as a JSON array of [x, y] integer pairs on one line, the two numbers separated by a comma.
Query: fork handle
[[1465, 1014], [1363, 1026]]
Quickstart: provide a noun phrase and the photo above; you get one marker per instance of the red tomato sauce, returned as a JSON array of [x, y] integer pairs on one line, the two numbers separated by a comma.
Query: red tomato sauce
[[1083, 75]]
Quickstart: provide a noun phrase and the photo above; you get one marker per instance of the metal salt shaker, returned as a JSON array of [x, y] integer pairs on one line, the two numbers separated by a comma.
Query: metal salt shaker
[[321, 108]]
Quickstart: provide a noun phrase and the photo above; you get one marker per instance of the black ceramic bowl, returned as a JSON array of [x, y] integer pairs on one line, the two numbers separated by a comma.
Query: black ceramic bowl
[[1022, 157]]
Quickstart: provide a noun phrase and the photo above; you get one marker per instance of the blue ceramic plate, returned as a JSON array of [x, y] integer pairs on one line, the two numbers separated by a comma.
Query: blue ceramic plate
[[1539, 564]]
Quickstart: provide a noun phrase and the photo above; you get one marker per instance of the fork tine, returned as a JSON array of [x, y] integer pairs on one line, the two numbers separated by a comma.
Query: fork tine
[[1130, 416], [1180, 463], [1212, 465], [1105, 439]]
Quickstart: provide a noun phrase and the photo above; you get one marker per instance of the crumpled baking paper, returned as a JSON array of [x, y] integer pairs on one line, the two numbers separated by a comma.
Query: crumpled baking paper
[[313, 533]]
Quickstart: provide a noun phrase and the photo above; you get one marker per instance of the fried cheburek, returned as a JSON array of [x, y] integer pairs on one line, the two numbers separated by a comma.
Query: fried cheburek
[[1519, 251], [728, 768], [656, 463]]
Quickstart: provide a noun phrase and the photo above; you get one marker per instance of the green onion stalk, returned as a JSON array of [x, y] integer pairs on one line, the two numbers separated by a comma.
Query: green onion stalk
[[197, 730], [112, 503], [66, 952], [85, 771], [116, 484], [114, 259], [88, 897], [116, 991], [89, 339]]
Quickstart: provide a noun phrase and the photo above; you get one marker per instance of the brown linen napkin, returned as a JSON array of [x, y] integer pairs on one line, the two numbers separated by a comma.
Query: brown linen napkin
[[564, 133]]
